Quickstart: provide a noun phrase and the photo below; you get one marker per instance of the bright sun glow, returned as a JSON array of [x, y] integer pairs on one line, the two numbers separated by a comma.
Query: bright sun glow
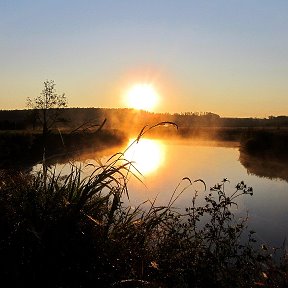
[[147, 155], [142, 97]]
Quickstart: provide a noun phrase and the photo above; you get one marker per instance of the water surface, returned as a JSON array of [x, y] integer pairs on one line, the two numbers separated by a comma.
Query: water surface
[[163, 165]]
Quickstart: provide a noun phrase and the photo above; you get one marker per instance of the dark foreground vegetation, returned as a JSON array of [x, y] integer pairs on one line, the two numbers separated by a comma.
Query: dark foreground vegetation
[[76, 231]]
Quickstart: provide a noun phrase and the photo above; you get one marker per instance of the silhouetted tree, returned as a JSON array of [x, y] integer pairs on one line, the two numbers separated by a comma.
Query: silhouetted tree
[[48, 106]]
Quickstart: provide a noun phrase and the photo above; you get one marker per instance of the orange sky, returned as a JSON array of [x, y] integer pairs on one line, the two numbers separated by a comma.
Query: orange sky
[[217, 56]]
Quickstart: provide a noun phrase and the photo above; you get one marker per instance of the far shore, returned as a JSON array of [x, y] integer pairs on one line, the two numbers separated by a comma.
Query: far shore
[[24, 148]]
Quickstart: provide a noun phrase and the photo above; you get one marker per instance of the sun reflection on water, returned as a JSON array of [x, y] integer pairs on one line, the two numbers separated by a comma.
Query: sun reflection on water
[[147, 155]]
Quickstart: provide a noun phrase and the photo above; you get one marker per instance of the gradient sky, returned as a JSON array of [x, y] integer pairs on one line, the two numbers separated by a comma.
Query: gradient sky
[[229, 57]]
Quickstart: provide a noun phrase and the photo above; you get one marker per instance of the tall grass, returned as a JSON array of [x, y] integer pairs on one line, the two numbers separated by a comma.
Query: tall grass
[[75, 231]]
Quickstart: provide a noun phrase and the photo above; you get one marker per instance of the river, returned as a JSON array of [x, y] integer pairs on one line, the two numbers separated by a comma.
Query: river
[[164, 163]]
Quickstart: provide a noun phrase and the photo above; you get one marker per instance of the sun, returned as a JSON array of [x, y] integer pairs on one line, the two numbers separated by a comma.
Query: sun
[[142, 97]]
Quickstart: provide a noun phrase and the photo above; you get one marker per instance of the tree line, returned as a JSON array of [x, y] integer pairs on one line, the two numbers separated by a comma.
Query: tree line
[[50, 110], [123, 118]]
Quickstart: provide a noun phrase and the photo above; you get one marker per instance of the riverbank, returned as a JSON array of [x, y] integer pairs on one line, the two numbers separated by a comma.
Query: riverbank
[[18, 148], [25, 149]]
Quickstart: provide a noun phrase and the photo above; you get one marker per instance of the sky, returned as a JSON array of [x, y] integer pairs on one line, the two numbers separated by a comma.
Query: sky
[[228, 57]]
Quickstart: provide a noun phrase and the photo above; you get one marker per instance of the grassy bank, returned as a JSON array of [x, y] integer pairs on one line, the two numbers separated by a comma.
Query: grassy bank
[[71, 231], [25, 148], [266, 143]]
